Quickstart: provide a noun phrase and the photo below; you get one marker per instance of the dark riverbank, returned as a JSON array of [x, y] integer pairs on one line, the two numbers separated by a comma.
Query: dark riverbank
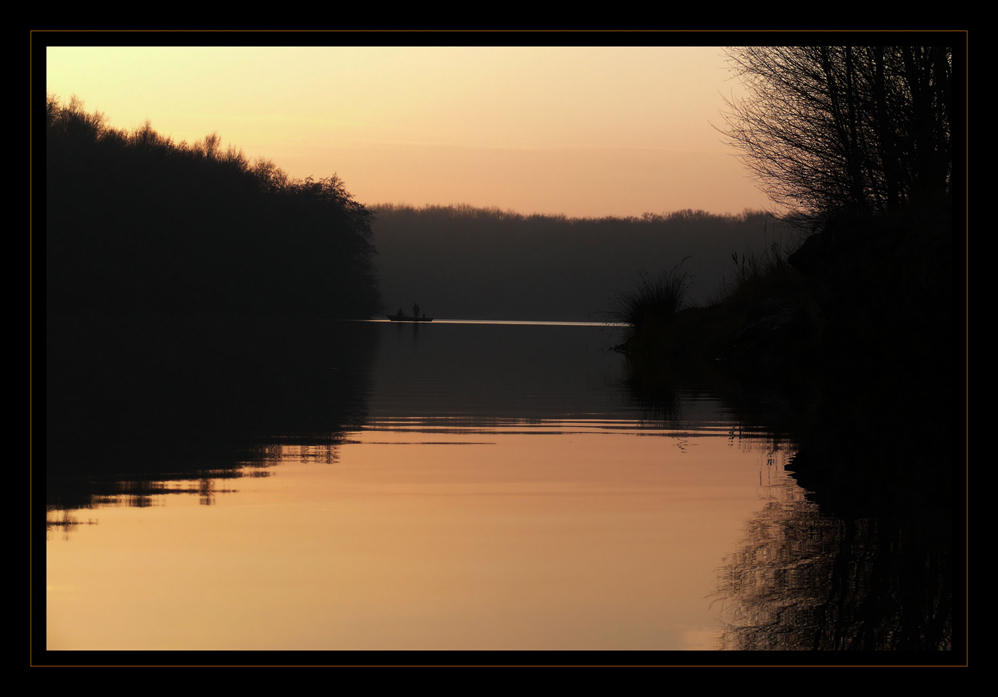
[[854, 350], [852, 334], [189, 299]]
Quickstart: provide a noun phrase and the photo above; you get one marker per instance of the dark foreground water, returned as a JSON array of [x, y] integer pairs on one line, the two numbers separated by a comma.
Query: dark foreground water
[[446, 486]]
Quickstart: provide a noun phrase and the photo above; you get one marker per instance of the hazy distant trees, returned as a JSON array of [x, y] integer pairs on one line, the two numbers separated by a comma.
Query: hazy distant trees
[[857, 128], [136, 224], [486, 263]]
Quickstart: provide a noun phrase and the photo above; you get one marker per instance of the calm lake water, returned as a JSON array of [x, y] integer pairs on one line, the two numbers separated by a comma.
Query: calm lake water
[[446, 486]]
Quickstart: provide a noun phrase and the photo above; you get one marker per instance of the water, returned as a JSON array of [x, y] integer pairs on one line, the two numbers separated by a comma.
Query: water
[[447, 486]]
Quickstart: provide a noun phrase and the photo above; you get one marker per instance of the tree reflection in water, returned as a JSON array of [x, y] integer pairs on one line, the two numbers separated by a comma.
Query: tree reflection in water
[[141, 408], [807, 581]]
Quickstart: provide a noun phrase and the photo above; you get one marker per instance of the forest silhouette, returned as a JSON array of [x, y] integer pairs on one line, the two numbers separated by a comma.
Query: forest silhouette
[[137, 224]]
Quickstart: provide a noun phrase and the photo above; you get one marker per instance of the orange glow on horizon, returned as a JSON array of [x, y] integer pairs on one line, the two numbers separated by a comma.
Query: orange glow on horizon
[[580, 131]]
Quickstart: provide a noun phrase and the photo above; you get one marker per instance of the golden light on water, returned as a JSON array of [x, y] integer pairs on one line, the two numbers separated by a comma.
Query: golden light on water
[[424, 540]]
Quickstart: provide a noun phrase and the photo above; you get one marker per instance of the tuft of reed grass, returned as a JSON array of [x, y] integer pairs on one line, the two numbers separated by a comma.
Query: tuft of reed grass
[[652, 300], [755, 271]]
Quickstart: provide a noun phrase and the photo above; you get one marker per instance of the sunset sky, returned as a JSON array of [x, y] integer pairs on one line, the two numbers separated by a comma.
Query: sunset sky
[[580, 131]]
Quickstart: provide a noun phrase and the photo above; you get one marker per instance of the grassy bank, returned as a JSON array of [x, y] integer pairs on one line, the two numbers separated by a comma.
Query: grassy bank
[[760, 318]]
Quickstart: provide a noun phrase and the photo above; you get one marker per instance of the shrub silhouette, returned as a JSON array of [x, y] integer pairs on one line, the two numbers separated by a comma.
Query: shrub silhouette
[[652, 301]]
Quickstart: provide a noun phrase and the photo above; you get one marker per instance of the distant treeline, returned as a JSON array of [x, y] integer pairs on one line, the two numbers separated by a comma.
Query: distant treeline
[[486, 263], [137, 224]]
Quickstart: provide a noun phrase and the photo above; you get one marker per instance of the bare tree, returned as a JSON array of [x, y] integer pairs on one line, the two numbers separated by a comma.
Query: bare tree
[[827, 128]]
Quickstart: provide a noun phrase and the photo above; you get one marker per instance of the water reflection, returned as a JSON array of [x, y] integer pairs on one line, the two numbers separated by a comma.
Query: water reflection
[[802, 580], [852, 551], [138, 409], [449, 486]]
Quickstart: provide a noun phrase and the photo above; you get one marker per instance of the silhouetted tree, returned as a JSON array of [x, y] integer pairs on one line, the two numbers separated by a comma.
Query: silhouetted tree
[[857, 128]]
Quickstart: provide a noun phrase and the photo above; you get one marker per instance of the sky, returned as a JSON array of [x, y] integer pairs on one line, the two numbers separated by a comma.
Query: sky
[[584, 131]]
